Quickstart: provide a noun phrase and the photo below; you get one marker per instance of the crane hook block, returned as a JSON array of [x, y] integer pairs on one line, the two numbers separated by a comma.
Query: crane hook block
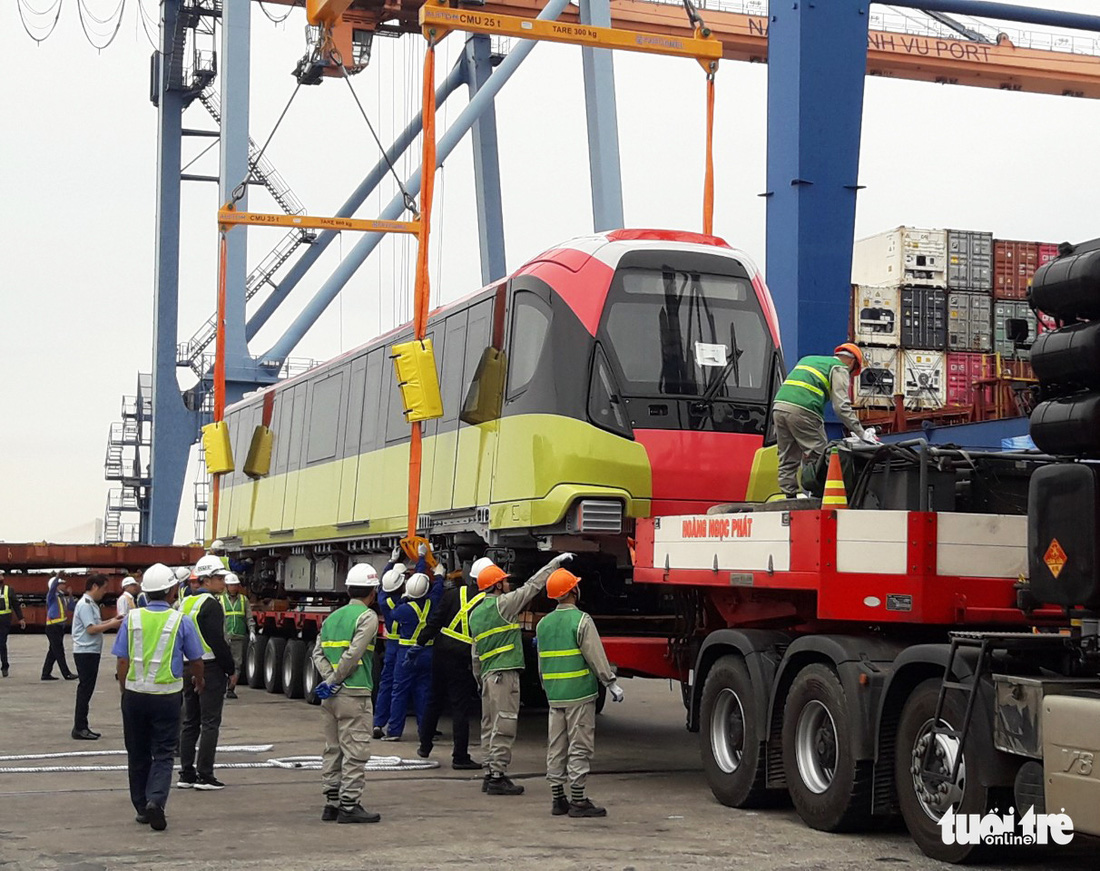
[[219, 453], [414, 364]]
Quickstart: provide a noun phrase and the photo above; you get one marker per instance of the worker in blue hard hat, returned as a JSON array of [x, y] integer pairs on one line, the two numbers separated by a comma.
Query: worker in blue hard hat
[[799, 410]]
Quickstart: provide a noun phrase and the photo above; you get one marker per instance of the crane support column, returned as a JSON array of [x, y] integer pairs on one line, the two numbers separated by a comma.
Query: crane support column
[[603, 123], [174, 427], [234, 169], [817, 61], [490, 212]]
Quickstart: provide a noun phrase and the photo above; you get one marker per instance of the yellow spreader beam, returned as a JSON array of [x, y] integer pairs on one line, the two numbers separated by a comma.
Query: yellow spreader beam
[[438, 19], [231, 217]]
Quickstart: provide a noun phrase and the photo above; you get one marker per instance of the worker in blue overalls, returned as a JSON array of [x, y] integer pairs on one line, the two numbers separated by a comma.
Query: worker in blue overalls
[[413, 669], [393, 583]]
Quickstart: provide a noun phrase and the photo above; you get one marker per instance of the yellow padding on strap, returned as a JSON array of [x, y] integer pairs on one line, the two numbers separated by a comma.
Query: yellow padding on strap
[[414, 363]]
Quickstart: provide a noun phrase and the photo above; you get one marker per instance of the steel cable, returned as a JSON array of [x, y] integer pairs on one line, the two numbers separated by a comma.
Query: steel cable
[[81, 10], [23, 19]]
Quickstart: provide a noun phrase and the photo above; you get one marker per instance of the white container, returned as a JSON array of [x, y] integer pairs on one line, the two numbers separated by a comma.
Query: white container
[[907, 256], [875, 316], [923, 379], [877, 383]]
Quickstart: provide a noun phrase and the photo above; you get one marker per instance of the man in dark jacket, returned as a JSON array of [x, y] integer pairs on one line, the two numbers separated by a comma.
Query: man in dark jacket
[[452, 674]]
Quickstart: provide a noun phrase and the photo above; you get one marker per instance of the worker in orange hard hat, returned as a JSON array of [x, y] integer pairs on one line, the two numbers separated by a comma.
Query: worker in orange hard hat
[[573, 666], [799, 410], [497, 655]]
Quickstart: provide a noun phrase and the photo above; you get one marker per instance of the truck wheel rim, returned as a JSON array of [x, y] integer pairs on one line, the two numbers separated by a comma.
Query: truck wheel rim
[[269, 668], [288, 671], [727, 733], [309, 680], [815, 747], [935, 795]]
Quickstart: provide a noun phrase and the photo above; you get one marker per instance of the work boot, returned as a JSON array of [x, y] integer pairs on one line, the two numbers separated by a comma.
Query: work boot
[[423, 752], [585, 808], [187, 779], [377, 734], [330, 813], [4, 671], [84, 735], [391, 737], [560, 806], [230, 694], [466, 764], [154, 813], [501, 784], [356, 815], [70, 676]]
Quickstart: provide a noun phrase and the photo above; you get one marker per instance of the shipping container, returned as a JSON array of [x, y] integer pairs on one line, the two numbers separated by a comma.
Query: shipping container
[[1044, 323], [923, 379], [963, 370], [903, 256], [1047, 252], [923, 318], [877, 382], [875, 315], [1003, 311], [969, 322], [969, 261], [1014, 263]]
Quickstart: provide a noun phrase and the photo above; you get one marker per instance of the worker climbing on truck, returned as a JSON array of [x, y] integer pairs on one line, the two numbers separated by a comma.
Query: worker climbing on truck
[[799, 411]]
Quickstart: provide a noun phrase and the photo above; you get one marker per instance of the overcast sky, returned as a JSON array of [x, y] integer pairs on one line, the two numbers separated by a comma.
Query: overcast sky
[[77, 181]]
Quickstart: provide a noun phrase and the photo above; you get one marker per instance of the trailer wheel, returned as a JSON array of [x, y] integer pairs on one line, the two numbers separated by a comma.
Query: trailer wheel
[[830, 791], [293, 659], [273, 664], [731, 748], [923, 802], [254, 661], [310, 677]]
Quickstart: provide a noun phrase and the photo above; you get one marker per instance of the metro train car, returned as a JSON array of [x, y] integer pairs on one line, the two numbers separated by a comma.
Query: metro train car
[[585, 390]]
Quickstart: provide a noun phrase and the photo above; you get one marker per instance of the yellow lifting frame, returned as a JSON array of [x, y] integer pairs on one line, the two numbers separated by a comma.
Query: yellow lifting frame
[[229, 217], [438, 19]]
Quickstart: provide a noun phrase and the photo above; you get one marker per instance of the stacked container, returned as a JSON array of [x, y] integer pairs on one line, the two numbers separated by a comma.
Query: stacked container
[[904, 257], [875, 316], [1003, 311], [923, 379], [962, 371], [969, 322], [878, 381], [1014, 263]]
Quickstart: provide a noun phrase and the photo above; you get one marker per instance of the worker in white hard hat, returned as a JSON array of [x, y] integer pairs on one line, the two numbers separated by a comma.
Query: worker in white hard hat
[[393, 585], [152, 687], [344, 657], [202, 711], [412, 678], [217, 548], [240, 625], [497, 658], [127, 600]]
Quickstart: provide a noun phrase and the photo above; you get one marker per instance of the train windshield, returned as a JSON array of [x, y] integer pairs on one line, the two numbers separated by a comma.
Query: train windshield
[[685, 333]]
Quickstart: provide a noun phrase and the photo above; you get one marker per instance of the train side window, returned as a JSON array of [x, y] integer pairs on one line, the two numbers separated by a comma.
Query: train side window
[[531, 317], [605, 405], [355, 408], [297, 428], [374, 403], [454, 353], [324, 415]]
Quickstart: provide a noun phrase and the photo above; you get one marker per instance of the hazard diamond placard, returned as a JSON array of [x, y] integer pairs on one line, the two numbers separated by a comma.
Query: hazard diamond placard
[[1055, 557]]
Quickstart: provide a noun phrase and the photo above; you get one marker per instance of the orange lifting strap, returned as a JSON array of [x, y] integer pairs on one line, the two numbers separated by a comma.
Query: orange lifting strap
[[708, 173], [422, 291]]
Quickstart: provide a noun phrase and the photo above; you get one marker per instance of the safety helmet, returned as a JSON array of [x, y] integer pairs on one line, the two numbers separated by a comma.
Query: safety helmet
[[361, 575], [560, 582], [417, 586], [853, 350], [217, 544], [130, 581], [490, 576], [479, 564], [209, 565], [394, 578], [231, 579], [182, 573], [157, 577]]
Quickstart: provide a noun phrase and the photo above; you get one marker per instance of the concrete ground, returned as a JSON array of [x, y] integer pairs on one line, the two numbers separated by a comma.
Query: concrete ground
[[647, 772]]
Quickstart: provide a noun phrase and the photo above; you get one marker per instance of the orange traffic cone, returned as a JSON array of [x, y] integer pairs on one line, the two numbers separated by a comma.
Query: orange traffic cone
[[835, 494]]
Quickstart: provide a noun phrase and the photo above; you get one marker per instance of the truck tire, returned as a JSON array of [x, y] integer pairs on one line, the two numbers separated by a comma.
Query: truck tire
[[254, 661], [310, 677], [273, 664], [729, 741], [920, 808], [293, 659], [830, 790]]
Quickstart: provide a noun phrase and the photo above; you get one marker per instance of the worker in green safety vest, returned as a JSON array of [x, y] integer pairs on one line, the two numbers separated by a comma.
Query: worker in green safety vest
[[572, 666], [799, 411], [497, 658], [240, 625], [344, 656]]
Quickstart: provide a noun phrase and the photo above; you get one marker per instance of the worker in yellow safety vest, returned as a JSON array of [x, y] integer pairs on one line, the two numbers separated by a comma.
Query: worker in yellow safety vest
[[59, 606], [496, 654], [9, 604], [240, 625], [344, 657], [799, 411], [572, 666]]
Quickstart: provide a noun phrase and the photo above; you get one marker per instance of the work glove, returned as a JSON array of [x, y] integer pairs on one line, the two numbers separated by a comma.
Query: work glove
[[439, 571], [422, 549], [557, 561], [327, 690], [871, 436], [616, 692], [395, 554], [252, 637]]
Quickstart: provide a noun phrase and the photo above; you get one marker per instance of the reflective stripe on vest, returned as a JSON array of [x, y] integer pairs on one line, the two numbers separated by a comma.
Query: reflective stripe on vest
[[60, 618], [235, 623], [336, 634], [459, 629], [421, 622], [499, 644], [5, 600], [566, 675], [193, 604], [152, 639]]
